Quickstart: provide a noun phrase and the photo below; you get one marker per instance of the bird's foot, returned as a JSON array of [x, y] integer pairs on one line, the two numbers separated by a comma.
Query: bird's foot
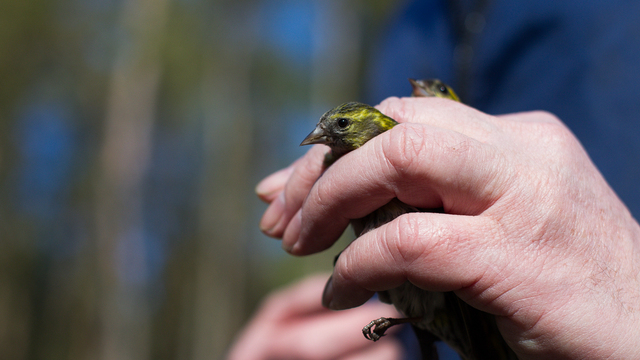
[[376, 328]]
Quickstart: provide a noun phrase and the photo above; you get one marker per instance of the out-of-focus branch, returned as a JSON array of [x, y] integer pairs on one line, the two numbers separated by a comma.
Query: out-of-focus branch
[[123, 162], [221, 262]]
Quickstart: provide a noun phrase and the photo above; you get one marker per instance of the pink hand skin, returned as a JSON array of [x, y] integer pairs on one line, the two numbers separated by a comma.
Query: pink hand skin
[[532, 232], [293, 324]]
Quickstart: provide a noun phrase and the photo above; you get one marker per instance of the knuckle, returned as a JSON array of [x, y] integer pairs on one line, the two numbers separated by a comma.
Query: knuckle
[[410, 149], [418, 239], [344, 271], [406, 242], [558, 137], [547, 117], [320, 194], [404, 147]]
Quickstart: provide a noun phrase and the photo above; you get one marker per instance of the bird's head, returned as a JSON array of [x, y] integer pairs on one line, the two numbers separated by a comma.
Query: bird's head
[[433, 87], [349, 126]]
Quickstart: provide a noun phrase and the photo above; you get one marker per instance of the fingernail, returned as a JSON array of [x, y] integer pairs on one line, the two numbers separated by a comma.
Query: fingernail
[[327, 294], [272, 216], [287, 248], [291, 238]]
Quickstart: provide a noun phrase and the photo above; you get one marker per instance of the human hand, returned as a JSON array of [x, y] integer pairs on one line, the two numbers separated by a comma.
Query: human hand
[[293, 324], [531, 233]]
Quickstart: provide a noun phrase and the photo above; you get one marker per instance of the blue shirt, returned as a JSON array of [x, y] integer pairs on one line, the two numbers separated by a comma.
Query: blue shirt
[[579, 60]]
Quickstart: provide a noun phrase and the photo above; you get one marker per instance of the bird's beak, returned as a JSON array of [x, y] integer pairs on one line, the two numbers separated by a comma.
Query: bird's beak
[[418, 90], [317, 136]]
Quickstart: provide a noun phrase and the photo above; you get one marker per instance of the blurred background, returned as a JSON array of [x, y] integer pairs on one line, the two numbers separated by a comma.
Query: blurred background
[[132, 134]]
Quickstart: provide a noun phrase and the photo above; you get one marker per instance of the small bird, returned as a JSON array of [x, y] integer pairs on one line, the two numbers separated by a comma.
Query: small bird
[[432, 87], [433, 315]]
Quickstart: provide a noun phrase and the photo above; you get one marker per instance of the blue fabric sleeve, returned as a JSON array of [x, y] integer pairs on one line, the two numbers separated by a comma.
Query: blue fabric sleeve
[[579, 60]]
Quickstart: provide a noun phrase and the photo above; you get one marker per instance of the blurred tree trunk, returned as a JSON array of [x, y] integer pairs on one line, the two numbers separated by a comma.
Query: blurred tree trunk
[[123, 311], [336, 54], [25, 39], [221, 260]]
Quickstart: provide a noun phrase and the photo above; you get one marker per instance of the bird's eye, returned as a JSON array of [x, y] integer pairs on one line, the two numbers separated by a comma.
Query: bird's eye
[[343, 123], [443, 89]]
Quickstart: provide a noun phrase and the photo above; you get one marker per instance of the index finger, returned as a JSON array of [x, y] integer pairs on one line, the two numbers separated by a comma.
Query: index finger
[[442, 113], [287, 202], [421, 165]]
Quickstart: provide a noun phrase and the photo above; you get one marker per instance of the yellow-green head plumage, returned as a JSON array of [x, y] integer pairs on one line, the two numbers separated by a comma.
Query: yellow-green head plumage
[[349, 126]]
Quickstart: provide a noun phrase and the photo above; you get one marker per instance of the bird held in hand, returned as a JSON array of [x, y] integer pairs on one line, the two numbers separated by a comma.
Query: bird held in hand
[[433, 315], [432, 88]]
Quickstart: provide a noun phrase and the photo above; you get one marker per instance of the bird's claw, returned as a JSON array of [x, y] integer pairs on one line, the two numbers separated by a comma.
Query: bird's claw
[[376, 328]]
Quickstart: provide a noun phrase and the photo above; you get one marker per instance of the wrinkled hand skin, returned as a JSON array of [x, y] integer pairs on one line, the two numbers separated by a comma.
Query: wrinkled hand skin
[[531, 233]]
